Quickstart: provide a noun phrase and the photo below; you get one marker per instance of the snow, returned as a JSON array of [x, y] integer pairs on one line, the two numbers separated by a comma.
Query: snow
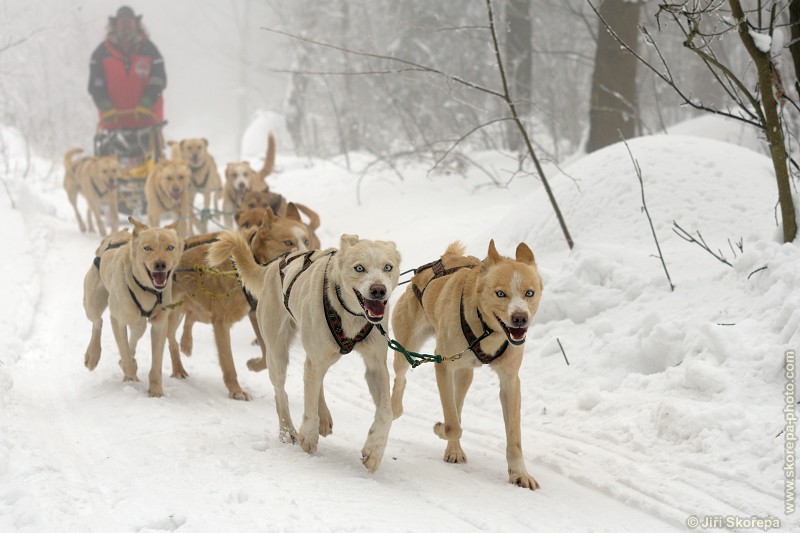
[[672, 405]]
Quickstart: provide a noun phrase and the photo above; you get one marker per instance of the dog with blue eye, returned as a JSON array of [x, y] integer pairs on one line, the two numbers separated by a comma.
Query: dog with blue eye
[[479, 313], [335, 301]]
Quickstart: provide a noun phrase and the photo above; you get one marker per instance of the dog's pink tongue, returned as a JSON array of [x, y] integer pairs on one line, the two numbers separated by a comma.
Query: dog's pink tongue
[[159, 279], [375, 308], [517, 334]]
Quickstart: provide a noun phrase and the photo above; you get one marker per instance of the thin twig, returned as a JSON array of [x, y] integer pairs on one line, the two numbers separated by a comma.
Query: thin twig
[[562, 350], [686, 236], [756, 270], [646, 212]]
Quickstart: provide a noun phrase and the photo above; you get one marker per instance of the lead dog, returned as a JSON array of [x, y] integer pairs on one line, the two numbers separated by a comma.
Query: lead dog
[[168, 191], [486, 306], [219, 300], [132, 277], [240, 178], [335, 300], [96, 179]]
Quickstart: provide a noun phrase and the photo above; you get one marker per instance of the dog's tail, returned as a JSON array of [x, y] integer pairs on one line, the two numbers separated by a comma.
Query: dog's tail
[[269, 160], [313, 217], [455, 248], [233, 245], [68, 163]]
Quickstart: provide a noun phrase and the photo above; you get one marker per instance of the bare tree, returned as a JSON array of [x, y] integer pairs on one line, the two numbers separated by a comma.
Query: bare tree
[[401, 65], [704, 25], [519, 57], [613, 110]]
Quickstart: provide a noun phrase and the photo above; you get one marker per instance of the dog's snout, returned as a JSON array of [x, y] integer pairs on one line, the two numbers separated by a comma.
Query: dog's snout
[[159, 265], [377, 291], [519, 320]]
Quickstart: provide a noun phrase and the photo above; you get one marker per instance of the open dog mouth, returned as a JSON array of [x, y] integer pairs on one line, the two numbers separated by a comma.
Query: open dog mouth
[[373, 309], [176, 194], [159, 278], [516, 336]]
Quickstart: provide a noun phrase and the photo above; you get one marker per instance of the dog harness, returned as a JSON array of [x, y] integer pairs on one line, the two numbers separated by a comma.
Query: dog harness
[[99, 194], [110, 246], [334, 321], [201, 186], [307, 262], [145, 314], [161, 202], [438, 272], [475, 342]]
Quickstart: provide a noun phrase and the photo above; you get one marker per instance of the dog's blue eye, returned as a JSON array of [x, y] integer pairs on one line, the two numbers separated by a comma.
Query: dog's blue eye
[[359, 268], [387, 268], [288, 242], [170, 248], [529, 293], [500, 294]]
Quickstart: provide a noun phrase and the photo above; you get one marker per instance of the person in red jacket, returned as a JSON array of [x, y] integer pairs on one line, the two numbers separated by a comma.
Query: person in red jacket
[[127, 75]]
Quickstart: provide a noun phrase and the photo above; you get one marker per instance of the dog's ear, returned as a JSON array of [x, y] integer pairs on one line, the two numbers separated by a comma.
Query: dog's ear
[[269, 218], [182, 144], [347, 241], [138, 227], [492, 256], [525, 254], [205, 142], [292, 212], [174, 225]]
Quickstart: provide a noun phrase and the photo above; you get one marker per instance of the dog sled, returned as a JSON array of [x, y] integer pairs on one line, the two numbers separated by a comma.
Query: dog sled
[[138, 150]]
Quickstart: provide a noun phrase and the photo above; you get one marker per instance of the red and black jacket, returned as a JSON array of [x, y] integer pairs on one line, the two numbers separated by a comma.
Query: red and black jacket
[[123, 80]]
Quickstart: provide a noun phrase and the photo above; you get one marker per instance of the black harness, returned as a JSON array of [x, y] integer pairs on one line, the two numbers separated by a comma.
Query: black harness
[[201, 186], [474, 342], [334, 321], [145, 314], [438, 272], [307, 262], [97, 190]]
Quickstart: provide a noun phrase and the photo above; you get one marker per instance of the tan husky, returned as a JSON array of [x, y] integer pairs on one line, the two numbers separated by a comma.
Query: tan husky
[[132, 277], [335, 300], [486, 306], [96, 179], [220, 299], [168, 190], [205, 177]]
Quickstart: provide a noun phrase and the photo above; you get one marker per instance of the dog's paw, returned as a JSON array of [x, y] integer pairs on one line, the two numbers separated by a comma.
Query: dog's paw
[[155, 391], [371, 457], [180, 373], [257, 364], [523, 479], [287, 435], [308, 442], [454, 454], [325, 426], [91, 359], [130, 378], [240, 395]]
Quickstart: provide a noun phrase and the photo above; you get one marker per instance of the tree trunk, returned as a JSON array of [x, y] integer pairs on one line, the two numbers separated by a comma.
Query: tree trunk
[[772, 126], [794, 48], [519, 58], [613, 107]]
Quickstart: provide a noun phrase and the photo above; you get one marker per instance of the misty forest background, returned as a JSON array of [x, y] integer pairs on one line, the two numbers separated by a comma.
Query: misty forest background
[[575, 85]]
